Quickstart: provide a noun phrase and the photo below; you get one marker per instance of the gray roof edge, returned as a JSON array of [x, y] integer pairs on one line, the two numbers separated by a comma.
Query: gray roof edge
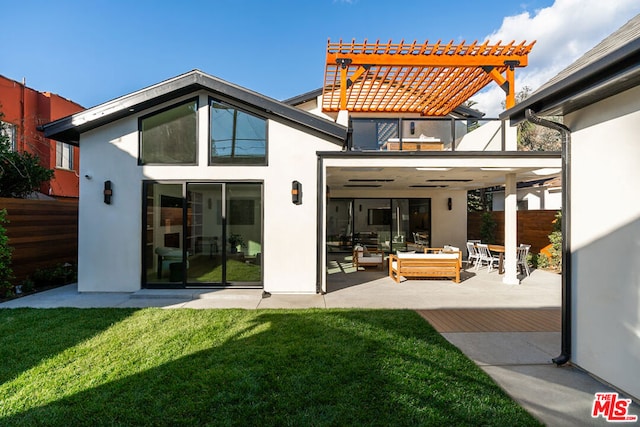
[[69, 127], [600, 70], [303, 97]]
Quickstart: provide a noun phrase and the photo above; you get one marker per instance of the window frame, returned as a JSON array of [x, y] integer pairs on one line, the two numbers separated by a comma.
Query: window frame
[[190, 100], [245, 111], [10, 130], [60, 164]]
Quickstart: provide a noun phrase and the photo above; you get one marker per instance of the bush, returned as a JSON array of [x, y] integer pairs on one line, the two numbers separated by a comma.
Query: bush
[[556, 243], [488, 228], [542, 261], [6, 272], [61, 274]]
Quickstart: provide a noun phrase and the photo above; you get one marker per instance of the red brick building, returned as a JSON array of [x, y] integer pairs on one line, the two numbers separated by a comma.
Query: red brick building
[[24, 110]]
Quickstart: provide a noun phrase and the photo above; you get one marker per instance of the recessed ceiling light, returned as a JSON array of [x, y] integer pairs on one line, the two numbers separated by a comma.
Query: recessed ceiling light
[[497, 169], [363, 169], [547, 171], [434, 169]]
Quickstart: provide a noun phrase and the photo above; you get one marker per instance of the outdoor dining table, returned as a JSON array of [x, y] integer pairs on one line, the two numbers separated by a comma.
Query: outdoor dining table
[[500, 250]]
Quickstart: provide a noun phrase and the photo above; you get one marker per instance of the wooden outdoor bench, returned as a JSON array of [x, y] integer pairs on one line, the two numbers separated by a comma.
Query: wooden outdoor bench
[[427, 264]]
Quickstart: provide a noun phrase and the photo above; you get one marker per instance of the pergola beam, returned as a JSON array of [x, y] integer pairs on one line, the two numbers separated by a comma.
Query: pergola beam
[[430, 79], [391, 60]]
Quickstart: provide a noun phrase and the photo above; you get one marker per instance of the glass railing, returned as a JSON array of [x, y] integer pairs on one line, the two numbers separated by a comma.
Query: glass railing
[[429, 134]]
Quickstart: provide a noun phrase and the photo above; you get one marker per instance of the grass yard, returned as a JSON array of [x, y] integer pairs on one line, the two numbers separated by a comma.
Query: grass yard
[[95, 367], [201, 269]]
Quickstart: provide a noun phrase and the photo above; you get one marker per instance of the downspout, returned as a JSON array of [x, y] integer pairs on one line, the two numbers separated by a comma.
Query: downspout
[[320, 218], [565, 354]]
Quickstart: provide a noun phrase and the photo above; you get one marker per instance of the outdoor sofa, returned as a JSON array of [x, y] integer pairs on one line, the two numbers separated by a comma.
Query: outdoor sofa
[[433, 262]]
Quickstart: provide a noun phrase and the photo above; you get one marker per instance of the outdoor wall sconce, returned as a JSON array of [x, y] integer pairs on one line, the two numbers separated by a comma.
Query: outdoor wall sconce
[[296, 193], [449, 203], [108, 192], [412, 128]]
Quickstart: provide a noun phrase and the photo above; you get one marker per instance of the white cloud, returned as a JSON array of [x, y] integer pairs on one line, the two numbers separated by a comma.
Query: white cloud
[[563, 32]]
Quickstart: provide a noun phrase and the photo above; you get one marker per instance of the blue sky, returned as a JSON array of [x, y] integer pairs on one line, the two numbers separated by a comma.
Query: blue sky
[[94, 51]]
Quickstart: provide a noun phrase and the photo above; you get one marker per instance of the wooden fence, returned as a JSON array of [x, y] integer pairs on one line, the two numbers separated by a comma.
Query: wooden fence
[[534, 227], [42, 233]]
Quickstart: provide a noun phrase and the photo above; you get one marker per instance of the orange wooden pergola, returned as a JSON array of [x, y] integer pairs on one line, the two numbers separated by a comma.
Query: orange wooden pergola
[[430, 79]]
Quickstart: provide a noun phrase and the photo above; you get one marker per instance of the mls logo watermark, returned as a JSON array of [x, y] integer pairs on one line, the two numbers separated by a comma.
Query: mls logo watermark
[[612, 408]]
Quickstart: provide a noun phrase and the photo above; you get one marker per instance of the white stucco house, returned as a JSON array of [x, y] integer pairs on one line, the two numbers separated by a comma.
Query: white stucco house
[[599, 99], [538, 194], [198, 182]]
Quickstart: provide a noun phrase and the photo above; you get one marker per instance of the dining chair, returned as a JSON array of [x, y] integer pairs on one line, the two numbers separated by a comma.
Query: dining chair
[[523, 251], [473, 256], [486, 257]]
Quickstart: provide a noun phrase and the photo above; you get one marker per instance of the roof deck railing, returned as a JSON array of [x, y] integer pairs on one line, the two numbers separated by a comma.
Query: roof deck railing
[[426, 134]]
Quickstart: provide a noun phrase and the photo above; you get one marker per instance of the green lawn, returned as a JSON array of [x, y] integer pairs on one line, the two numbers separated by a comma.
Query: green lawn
[[235, 367], [201, 269]]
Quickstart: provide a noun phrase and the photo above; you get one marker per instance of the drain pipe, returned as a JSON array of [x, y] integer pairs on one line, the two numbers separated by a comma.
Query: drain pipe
[[565, 354]]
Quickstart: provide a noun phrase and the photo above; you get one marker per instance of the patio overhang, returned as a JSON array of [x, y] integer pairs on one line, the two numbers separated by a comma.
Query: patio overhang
[[388, 174], [430, 79]]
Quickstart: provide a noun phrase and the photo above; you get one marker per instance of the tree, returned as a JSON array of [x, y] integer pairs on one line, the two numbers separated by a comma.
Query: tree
[[532, 137], [20, 173], [488, 228], [479, 200]]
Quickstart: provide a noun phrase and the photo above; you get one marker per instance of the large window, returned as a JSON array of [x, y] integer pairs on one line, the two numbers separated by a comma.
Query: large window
[[385, 224], [203, 234], [64, 155], [8, 131], [170, 136], [237, 137]]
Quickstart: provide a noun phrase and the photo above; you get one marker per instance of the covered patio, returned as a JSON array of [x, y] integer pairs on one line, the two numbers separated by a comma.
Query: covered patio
[[416, 83], [371, 287]]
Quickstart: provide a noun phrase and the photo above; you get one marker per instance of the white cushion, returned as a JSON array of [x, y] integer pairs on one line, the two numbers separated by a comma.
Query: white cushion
[[409, 255], [370, 258]]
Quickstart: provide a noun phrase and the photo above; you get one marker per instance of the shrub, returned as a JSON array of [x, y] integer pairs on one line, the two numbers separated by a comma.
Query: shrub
[[556, 243], [6, 272], [542, 261], [57, 275], [488, 228]]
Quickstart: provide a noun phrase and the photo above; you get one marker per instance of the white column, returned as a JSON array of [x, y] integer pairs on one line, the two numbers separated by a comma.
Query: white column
[[343, 118], [510, 230]]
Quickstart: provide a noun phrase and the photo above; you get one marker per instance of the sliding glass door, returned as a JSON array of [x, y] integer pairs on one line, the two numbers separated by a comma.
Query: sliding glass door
[[390, 225], [203, 234]]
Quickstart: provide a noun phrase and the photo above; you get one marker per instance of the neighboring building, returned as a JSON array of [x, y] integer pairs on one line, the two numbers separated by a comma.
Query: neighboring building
[[539, 194], [599, 99], [25, 110], [196, 181]]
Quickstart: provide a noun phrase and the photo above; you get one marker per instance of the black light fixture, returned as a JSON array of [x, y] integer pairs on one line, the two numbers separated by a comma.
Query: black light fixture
[[449, 204], [296, 193], [412, 128], [108, 192]]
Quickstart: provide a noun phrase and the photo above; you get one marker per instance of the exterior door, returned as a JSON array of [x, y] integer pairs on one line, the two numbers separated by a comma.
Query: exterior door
[[203, 234]]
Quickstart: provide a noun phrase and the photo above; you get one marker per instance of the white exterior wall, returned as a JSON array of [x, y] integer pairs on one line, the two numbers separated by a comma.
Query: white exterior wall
[[538, 198], [315, 107], [605, 239], [110, 236], [488, 137]]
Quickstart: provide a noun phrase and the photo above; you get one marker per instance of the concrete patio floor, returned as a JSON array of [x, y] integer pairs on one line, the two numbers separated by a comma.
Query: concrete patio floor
[[520, 362]]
